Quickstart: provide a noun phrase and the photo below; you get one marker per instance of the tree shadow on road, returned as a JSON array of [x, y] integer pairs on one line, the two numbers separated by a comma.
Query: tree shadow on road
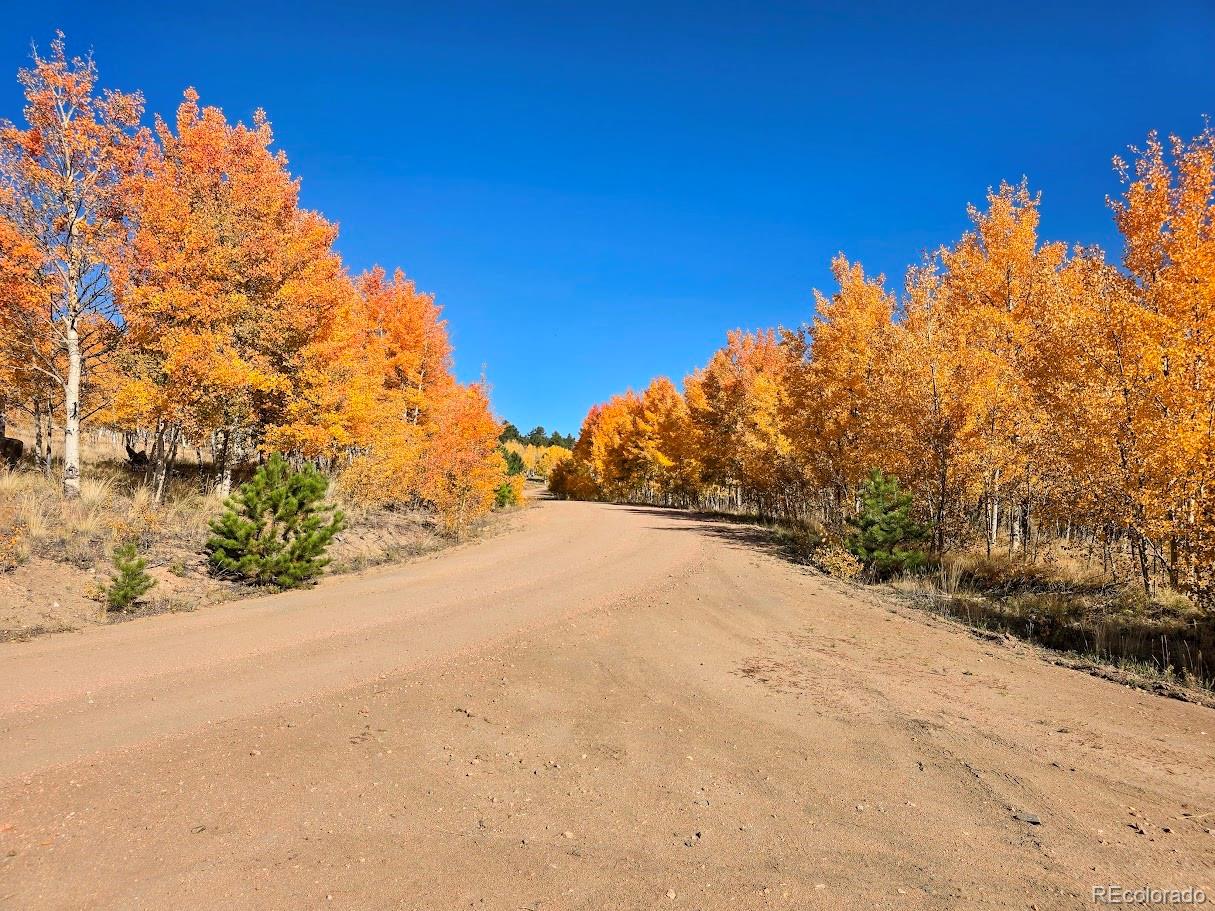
[[744, 532]]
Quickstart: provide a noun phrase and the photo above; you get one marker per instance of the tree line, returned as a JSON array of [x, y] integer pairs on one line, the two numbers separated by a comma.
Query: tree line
[[164, 281], [1025, 392], [537, 437]]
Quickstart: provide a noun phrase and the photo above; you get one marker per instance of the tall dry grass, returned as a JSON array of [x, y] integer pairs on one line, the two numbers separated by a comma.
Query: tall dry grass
[[1068, 604], [113, 508]]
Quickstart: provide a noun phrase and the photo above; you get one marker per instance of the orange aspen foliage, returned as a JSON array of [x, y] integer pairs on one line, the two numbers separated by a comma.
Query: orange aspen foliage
[[461, 467], [1167, 219], [665, 447], [613, 462], [27, 361], [228, 286], [373, 373], [63, 183], [573, 478], [415, 353], [736, 407], [997, 284], [228, 320], [339, 403], [932, 438]]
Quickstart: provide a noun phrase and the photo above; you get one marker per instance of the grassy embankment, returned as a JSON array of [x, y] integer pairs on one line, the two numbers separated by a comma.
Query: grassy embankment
[[55, 554]]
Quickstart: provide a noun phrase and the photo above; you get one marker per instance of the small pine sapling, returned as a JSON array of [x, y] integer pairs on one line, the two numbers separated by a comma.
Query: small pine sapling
[[276, 527], [885, 537], [130, 581]]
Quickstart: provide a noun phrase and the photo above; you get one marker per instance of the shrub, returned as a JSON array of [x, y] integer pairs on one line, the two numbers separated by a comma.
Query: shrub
[[276, 527], [140, 522], [810, 543], [837, 561], [368, 482], [885, 537], [505, 496], [130, 581], [510, 492]]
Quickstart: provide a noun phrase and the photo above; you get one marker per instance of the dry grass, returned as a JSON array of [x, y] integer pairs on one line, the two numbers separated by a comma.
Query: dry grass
[[112, 509], [98, 446], [31, 514], [1067, 604], [54, 553], [115, 508], [14, 483], [97, 492], [373, 537]]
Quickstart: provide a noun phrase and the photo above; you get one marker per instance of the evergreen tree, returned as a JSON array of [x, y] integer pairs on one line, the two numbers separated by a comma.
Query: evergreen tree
[[510, 432], [276, 527], [505, 495], [514, 462], [130, 582], [885, 537]]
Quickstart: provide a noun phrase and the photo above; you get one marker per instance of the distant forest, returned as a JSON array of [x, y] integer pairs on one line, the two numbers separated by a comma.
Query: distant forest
[[538, 437]]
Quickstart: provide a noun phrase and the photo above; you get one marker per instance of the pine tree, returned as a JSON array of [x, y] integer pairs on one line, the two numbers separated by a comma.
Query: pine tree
[[505, 496], [131, 581], [514, 462], [885, 537], [276, 527]]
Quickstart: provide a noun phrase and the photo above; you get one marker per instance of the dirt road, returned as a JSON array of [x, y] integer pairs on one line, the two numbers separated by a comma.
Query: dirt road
[[605, 707]]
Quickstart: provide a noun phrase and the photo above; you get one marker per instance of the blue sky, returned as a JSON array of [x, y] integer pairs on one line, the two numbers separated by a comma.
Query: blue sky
[[596, 193]]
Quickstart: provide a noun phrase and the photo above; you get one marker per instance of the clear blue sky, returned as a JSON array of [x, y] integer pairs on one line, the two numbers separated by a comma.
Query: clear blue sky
[[596, 193]]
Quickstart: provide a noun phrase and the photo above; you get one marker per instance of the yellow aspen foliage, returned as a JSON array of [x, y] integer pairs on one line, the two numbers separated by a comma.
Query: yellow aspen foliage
[[538, 461], [735, 405], [1167, 219], [838, 407], [665, 446], [1021, 390], [997, 283], [414, 353]]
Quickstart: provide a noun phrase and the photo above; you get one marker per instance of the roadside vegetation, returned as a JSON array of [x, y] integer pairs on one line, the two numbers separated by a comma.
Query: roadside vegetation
[[536, 454], [57, 556], [1022, 437], [174, 325]]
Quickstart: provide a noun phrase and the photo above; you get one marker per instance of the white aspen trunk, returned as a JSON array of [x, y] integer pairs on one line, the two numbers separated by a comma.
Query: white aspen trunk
[[71, 415], [165, 465], [38, 443], [993, 526], [233, 451]]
